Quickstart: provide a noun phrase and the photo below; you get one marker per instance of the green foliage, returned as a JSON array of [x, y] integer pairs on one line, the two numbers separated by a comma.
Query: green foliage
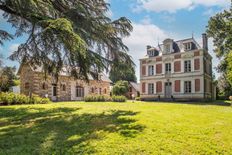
[[122, 69], [220, 29], [97, 98], [119, 98], [7, 78], [13, 99], [120, 88], [66, 33], [138, 99]]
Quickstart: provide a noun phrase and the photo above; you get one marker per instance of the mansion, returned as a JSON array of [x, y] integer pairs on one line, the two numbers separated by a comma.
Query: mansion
[[179, 70]]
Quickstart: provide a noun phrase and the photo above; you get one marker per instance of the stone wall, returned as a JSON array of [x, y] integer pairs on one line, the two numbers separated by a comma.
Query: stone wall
[[35, 83]]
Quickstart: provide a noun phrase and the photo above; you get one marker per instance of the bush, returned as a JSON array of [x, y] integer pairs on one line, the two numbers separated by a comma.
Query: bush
[[97, 98], [13, 99], [138, 99], [119, 98], [120, 88]]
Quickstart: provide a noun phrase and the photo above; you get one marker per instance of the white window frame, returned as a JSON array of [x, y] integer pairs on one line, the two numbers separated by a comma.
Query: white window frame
[[187, 66], [150, 88], [188, 46], [187, 87], [80, 91], [168, 68], [167, 48], [150, 70]]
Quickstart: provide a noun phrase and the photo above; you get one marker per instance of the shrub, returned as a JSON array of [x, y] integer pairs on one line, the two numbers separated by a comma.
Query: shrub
[[120, 88], [12, 99], [97, 98], [137, 98], [119, 98]]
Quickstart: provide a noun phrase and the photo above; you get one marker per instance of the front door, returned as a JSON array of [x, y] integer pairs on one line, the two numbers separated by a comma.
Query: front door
[[168, 90]]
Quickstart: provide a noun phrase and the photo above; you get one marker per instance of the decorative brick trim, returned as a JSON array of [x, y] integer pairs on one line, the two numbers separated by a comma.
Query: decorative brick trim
[[177, 66], [177, 86], [177, 56], [159, 59], [196, 64], [159, 86], [143, 70], [158, 68], [143, 87], [197, 53], [197, 85]]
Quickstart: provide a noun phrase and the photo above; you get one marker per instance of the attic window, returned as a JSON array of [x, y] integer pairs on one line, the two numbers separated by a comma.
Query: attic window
[[167, 48], [188, 46]]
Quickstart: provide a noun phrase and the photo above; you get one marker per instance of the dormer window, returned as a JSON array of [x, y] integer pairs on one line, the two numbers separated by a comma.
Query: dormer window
[[188, 46], [167, 48]]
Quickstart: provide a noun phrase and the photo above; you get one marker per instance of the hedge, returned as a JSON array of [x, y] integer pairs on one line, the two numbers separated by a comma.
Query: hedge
[[13, 99]]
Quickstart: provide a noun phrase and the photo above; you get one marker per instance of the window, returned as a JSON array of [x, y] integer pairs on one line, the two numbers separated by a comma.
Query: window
[[150, 88], [79, 91], [105, 91], [54, 90], [168, 68], [188, 46], [44, 86], [167, 48], [100, 91], [63, 87], [150, 70], [187, 87], [187, 66], [92, 89]]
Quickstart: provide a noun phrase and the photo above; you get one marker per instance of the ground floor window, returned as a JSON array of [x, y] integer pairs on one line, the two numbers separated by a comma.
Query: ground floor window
[[54, 90], [150, 88], [187, 87], [79, 91]]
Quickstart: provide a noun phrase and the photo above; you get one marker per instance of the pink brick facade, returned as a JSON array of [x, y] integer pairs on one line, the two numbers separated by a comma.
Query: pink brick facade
[[181, 71]]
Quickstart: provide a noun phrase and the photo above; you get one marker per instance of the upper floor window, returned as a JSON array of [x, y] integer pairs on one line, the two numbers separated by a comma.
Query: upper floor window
[[187, 66], [168, 68], [188, 46], [187, 87], [150, 70], [150, 88]]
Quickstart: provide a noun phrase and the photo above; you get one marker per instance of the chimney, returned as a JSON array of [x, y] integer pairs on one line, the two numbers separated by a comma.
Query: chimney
[[205, 41]]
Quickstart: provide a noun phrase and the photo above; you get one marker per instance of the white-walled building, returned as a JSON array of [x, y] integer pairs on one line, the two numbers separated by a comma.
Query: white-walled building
[[180, 70]]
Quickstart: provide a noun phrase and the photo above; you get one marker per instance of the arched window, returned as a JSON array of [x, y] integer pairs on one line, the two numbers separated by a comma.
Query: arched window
[[63, 87], [92, 89], [44, 86], [105, 91]]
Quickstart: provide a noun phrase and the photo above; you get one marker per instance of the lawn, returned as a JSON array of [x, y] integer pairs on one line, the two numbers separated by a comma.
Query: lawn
[[116, 128]]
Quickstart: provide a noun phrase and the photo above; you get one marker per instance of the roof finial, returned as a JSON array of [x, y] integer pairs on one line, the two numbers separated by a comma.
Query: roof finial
[[192, 34], [158, 41]]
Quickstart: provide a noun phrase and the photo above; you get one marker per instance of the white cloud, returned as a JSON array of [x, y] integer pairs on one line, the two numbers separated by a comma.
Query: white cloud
[[142, 35], [172, 6], [12, 48]]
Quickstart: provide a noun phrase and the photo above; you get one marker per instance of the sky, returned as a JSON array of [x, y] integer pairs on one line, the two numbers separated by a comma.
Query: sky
[[153, 21]]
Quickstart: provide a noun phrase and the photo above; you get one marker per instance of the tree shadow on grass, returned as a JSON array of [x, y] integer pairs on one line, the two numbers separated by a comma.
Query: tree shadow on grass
[[61, 131]]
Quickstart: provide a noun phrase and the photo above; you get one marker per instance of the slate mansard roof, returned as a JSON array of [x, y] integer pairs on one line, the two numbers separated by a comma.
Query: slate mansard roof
[[178, 46]]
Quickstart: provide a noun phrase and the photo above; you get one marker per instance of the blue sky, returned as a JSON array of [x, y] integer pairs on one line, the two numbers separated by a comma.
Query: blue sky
[[153, 21]]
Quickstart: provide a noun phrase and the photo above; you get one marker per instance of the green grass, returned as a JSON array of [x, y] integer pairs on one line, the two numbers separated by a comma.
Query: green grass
[[116, 128]]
